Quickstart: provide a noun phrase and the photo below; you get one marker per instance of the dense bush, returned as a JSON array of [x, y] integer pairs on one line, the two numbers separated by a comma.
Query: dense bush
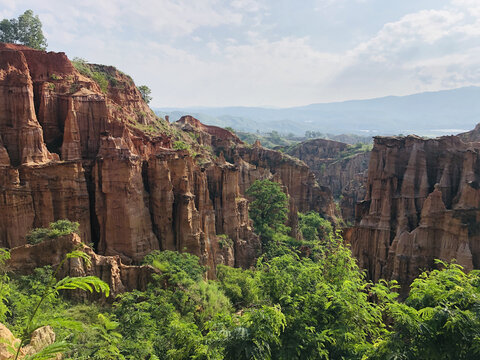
[[180, 145], [54, 230]]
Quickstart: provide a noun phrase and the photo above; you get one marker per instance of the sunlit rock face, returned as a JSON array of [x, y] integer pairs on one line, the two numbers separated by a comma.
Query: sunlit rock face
[[422, 203], [70, 149]]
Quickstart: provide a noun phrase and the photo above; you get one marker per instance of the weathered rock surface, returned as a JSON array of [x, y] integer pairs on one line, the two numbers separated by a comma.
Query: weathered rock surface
[[256, 162], [422, 203], [338, 166], [7, 342], [71, 150], [40, 338], [120, 277], [472, 135]]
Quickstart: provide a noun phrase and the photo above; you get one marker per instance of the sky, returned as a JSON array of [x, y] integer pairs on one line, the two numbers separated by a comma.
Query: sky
[[277, 53]]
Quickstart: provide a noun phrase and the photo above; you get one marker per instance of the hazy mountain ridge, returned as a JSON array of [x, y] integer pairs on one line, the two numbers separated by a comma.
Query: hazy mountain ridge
[[427, 114]]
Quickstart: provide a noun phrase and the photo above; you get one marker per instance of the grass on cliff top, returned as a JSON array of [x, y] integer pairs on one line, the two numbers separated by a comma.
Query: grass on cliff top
[[269, 140], [353, 150], [101, 74], [158, 127]]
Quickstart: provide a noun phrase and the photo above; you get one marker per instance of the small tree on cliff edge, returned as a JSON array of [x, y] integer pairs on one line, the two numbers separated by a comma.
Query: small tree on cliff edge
[[145, 92], [26, 30]]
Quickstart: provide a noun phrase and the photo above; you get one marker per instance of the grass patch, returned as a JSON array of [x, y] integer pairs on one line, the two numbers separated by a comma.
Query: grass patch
[[98, 73]]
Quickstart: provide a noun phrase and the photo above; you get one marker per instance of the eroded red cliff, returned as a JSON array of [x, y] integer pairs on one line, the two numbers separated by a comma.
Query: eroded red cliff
[[422, 203], [70, 149]]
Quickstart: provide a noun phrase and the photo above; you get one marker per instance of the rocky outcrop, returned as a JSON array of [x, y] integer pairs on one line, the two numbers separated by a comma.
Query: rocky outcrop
[[120, 277], [22, 135], [338, 166], [8, 342], [472, 135], [40, 338], [72, 149], [422, 203]]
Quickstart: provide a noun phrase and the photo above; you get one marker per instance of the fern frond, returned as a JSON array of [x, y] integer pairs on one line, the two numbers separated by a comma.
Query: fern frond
[[66, 323], [86, 283], [49, 352], [75, 254]]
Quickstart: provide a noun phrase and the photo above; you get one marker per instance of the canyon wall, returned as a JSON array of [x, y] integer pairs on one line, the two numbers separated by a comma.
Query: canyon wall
[[338, 166], [422, 203], [72, 150]]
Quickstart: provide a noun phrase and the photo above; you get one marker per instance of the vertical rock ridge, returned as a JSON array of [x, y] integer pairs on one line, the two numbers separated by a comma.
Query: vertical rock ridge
[[422, 203]]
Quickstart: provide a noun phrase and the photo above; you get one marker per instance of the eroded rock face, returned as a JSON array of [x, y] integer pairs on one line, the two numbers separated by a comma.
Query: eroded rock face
[[422, 203], [22, 135], [345, 176], [256, 163], [7, 342], [40, 338], [71, 150], [120, 277]]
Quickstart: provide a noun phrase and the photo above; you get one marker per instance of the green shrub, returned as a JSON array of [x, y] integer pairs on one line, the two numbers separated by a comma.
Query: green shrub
[[224, 241], [55, 230], [180, 145], [173, 264], [36, 236], [93, 72]]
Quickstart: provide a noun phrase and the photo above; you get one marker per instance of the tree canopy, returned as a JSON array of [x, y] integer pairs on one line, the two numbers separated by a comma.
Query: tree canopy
[[269, 207], [145, 92], [26, 30]]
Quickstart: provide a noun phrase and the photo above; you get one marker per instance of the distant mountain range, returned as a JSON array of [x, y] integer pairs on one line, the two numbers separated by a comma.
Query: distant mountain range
[[427, 114]]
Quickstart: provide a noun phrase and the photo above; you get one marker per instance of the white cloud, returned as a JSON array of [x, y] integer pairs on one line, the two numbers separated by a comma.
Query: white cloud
[[422, 51], [214, 52], [419, 29], [248, 5], [175, 18], [324, 4]]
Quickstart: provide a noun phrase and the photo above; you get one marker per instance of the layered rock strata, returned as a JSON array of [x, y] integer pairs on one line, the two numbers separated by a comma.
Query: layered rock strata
[[422, 203], [70, 149]]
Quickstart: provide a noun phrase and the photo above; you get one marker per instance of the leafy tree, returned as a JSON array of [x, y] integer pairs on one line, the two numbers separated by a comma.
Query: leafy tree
[[440, 319], [250, 336], [8, 30], [313, 227], [145, 92], [26, 30], [326, 307], [269, 207]]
